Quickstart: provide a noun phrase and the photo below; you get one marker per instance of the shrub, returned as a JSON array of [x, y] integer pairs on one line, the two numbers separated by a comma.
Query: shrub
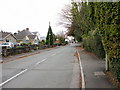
[[92, 43]]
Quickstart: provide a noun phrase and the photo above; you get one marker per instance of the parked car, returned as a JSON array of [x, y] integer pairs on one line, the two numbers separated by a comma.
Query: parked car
[[8, 44]]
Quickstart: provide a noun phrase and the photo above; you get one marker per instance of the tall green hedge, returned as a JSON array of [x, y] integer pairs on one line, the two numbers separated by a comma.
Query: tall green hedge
[[108, 23]]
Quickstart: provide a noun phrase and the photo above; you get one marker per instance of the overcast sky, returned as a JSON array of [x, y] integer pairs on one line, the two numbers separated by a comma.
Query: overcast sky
[[34, 14]]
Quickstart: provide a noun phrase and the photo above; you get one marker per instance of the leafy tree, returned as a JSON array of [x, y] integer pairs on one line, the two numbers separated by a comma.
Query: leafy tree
[[78, 16]]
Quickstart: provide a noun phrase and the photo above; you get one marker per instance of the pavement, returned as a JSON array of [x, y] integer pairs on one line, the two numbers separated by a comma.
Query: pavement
[[93, 70]]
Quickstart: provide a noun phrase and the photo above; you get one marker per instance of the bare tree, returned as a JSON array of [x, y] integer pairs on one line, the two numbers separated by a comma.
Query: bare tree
[[61, 34], [65, 16]]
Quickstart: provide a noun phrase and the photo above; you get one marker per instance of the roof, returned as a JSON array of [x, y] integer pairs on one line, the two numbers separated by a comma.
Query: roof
[[34, 33], [31, 37], [4, 35], [20, 35]]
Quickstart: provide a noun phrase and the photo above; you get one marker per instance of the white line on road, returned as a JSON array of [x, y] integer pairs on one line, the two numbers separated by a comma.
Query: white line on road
[[53, 54], [82, 74], [13, 77], [19, 74], [41, 61]]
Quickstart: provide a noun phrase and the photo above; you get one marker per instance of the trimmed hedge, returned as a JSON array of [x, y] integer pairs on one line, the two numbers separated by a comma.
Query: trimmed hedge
[[106, 18], [115, 68], [108, 23]]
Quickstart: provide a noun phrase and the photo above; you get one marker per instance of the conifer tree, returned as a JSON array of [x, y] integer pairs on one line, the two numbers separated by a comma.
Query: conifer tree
[[49, 38]]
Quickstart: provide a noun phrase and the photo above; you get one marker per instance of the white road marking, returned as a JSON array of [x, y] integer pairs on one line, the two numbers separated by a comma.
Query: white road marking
[[82, 74], [13, 77], [41, 61], [53, 54], [19, 74]]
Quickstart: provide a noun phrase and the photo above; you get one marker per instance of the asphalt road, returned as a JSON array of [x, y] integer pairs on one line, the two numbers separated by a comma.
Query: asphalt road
[[56, 68]]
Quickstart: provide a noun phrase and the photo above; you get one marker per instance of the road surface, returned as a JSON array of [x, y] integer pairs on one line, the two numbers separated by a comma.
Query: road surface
[[56, 68]]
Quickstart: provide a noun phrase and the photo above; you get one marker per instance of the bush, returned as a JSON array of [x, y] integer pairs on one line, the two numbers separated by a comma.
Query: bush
[[18, 47], [92, 43]]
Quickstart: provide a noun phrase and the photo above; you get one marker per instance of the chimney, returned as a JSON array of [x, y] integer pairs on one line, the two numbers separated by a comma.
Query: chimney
[[15, 33], [27, 29], [2, 31], [18, 31]]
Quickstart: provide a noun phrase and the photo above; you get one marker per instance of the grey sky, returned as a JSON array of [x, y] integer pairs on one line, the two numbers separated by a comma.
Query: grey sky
[[34, 14]]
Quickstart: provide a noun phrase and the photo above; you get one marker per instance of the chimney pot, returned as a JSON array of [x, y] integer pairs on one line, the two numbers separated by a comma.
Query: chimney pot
[[27, 29]]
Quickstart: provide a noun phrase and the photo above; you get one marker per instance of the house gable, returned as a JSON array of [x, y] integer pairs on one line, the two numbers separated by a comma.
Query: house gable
[[6, 36], [10, 38]]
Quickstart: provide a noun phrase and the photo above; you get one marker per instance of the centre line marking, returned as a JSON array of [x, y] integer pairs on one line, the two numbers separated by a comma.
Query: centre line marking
[[19, 74], [41, 61], [13, 77], [53, 54]]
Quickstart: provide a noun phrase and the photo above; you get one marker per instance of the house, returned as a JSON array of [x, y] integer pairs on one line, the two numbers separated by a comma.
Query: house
[[25, 36], [37, 33], [7, 37], [33, 39], [22, 36]]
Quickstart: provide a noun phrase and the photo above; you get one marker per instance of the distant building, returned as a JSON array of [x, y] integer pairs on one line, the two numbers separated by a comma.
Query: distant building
[[25, 36], [37, 33], [33, 39], [7, 37]]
